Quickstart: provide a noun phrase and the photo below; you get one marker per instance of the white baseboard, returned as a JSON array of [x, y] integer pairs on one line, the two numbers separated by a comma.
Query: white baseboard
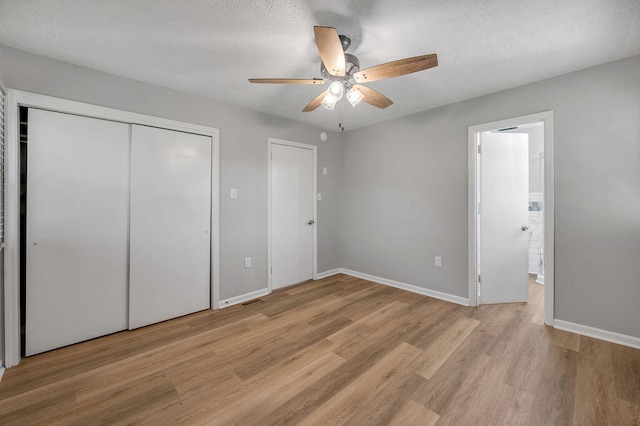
[[328, 273], [243, 298], [540, 279], [1, 373], [609, 336], [409, 287]]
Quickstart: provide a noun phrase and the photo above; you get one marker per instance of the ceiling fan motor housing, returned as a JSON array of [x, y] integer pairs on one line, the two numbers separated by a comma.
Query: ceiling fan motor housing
[[345, 42], [352, 66]]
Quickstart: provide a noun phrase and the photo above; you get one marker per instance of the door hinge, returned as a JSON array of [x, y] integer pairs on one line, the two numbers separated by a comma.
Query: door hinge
[[479, 280], [479, 149]]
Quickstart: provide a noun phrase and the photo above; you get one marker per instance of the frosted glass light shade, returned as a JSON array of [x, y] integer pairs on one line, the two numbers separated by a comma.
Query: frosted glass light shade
[[329, 101], [336, 89], [354, 96]]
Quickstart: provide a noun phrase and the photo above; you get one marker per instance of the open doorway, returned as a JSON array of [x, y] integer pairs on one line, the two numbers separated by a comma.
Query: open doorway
[[535, 256], [511, 212]]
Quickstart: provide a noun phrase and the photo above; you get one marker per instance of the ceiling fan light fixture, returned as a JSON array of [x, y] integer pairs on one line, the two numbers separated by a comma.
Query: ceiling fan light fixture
[[342, 71], [336, 89], [354, 96], [329, 101]]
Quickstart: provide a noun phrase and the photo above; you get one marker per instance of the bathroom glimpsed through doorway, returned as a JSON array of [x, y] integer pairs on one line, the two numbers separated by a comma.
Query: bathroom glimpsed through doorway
[[511, 212]]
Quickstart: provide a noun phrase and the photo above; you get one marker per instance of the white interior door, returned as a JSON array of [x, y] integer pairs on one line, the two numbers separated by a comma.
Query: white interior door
[[504, 239], [77, 218], [170, 225], [292, 215]]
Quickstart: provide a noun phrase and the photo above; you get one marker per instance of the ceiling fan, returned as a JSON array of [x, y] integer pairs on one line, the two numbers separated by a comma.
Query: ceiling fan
[[343, 72]]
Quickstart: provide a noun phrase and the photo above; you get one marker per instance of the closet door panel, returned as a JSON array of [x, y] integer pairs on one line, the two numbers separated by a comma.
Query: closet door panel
[[77, 224], [170, 225]]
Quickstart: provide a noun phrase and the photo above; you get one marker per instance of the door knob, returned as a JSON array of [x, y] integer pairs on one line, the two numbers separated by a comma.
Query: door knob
[[524, 227], [311, 222]]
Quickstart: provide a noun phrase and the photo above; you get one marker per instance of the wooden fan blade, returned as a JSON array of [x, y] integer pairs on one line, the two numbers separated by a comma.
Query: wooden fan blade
[[373, 97], [330, 50], [287, 80], [396, 68], [315, 103]]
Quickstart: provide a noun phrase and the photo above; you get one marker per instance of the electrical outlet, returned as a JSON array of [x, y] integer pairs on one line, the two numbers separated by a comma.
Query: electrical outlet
[[247, 262], [438, 261], [324, 171], [234, 193]]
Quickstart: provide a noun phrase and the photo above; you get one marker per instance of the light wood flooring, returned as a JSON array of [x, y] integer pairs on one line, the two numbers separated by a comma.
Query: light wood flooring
[[336, 351]]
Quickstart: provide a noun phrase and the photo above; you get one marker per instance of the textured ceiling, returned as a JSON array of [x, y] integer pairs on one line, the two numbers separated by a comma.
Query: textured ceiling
[[211, 47]]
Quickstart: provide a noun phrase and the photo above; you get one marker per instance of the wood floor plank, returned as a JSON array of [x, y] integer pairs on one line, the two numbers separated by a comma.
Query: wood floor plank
[[538, 317], [125, 404], [154, 361], [350, 301], [339, 407], [526, 360], [596, 397], [520, 410], [380, 409], [27, 410], [564, 339], [97, 352], [336, 351], [358, 335], [363, 307], [439, 392], [103, 378], [297, 408], [414, 414], [200, 371], [210, 399], [310, 285], [626, 373], [272, 354], [441, 348], [262, 399], [480, 395], [434, 318], [311, 297]]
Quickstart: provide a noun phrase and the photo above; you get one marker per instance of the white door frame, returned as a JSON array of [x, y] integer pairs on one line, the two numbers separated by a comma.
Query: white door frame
[[548, 207], [16, 99], [314, 150]]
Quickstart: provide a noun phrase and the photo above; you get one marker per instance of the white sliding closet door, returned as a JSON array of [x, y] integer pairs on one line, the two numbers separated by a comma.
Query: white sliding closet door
[[170, 225], [77, 217]]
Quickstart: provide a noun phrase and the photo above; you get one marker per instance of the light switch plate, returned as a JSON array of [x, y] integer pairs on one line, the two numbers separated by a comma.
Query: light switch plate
[[234, 193], [319, 196], [324, 171]]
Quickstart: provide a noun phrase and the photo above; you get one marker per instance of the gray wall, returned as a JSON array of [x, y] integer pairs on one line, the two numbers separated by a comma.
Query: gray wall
[[243, 156], [404, 192]]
